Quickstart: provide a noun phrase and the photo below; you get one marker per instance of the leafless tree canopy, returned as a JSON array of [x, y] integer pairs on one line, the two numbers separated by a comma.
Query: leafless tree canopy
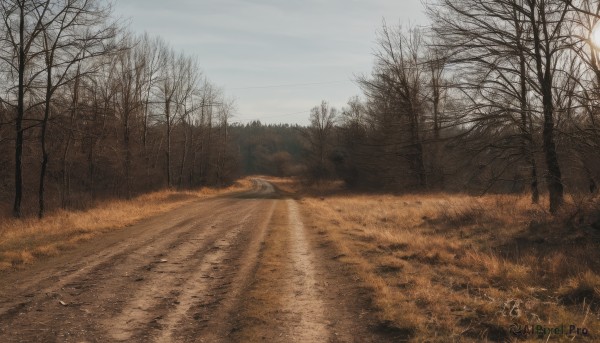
[[90, 110], [494, 96]]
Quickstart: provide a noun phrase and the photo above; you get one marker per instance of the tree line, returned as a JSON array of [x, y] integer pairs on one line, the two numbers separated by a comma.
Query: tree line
[[274, 149], [88, 109], [494, 95]]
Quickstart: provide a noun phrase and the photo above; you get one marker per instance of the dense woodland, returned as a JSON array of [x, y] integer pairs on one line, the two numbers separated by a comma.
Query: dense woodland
[[276, 150], [494, 96], [89, 110]]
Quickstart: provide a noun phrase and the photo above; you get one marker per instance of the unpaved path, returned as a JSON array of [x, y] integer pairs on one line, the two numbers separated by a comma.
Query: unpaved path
[[238, 268]]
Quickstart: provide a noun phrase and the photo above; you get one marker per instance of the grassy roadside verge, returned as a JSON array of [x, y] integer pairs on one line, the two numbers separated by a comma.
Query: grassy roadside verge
[[22, 242], [460, 268]]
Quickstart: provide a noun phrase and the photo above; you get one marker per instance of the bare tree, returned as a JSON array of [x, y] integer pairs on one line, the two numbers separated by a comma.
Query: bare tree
[[547, 19], [186, 106], [109, 105], [319, 135], [172, 79], [224, 113], [130, 89], [150, 51], [397, 94], [22, 25], [73, 32], [511, 42], [436, 60]]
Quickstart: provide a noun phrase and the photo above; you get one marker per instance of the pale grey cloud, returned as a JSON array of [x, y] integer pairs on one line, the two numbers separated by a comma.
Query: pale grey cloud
[[245, 43]]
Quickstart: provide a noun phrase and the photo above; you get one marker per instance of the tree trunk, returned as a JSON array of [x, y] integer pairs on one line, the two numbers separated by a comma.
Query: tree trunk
[[65, 178], [418, 160], [19, 120], [65, 168], [145, 137], [527, 133], [554, 177], [544, 67], [126, 143], [92, 169], [206, 148], [45, 157], [183, 158], [168, 114]]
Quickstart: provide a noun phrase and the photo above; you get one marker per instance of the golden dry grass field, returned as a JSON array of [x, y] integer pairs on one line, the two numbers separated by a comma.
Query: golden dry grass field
[[462, 268], [24, 241]]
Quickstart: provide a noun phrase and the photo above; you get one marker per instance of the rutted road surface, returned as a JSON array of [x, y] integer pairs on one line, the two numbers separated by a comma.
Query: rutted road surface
[[237, 268]]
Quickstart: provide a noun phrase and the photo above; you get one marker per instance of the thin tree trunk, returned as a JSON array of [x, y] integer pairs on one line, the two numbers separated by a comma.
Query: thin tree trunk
[[419, 162], [554, 178], [92, 169], [183, 159], [42, 174], [19, 120], [64, 183], [168, 114], [126, 139], [45, 157], [436, 109], [202, 145], [145, 136], [207, 148], [65, 170], [193, 160], [544, 74], [527, 133]]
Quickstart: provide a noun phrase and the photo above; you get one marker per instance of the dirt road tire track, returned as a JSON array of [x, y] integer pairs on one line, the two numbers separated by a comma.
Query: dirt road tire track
[[302, 292], [139, 284], [196, 274]]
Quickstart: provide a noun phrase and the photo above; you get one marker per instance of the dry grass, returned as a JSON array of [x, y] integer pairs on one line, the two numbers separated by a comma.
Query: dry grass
[[462, 268], [24, 241]]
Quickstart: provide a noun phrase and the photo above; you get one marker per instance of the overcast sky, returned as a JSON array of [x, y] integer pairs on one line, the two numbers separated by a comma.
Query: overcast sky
[[276, 58]]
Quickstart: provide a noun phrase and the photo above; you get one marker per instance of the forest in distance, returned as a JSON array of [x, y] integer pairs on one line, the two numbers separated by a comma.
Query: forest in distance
[[495, 96]]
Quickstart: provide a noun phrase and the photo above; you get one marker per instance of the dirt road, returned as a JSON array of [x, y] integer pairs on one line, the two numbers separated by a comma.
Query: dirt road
[[237, 268]]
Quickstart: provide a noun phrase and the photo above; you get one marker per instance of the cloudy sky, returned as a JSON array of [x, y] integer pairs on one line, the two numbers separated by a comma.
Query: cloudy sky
[[276, 58]]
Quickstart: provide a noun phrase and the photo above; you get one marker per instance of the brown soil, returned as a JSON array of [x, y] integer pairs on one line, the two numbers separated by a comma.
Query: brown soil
[[236, 268]]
